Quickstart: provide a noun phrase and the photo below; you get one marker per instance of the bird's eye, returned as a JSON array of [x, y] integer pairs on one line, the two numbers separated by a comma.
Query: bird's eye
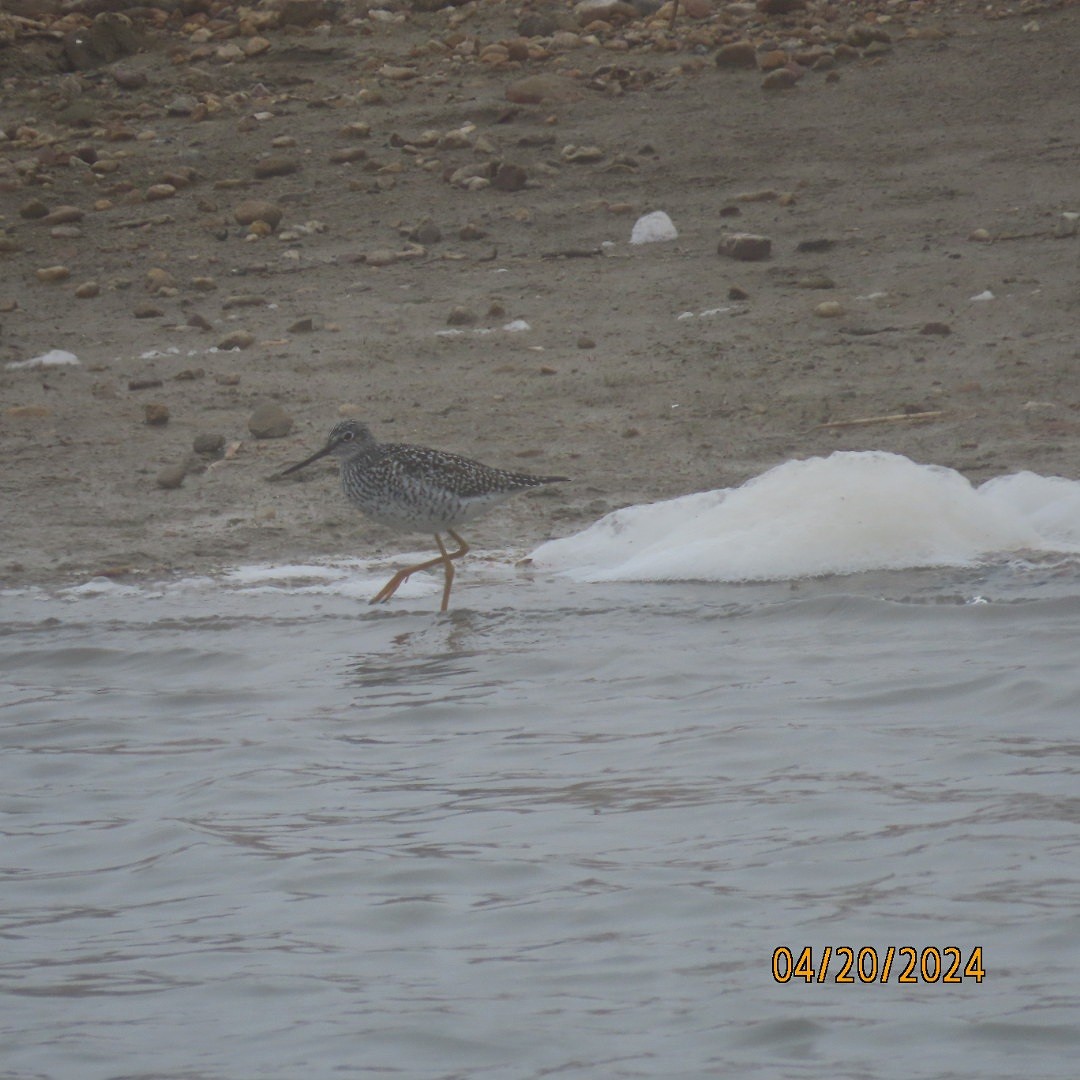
[[348, 436]]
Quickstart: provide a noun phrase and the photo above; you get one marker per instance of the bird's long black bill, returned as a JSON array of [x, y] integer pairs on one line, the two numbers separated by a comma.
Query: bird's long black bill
[[307, 461]]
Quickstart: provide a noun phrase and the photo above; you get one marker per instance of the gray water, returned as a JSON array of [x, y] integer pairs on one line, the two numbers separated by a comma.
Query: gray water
[[557, 832]]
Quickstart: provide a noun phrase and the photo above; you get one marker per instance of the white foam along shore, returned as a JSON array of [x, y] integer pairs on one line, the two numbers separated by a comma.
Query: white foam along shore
[[845, 513]]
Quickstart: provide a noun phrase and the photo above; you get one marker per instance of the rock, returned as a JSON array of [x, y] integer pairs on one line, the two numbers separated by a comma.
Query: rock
[[781, 79], [203, 284], [158, 279], [609, 11], [209, 445], [535, 89], [861, 35], [270, 421], [62, 215], [303, 325], [87, 290], [936, 329], [460, 316], [110, 37], [129, 78], [585, 342], [737, 54], [746, 247], [238, 339], [427, 232], [182, 105], [172, 476], [276, 165], [252, 210], [228, 53], [157, 192], [537, 24], [980, 236], [471, 231], [737, 292], [652, 228], [348, 154], [199, 322], [242, 300], [144, 384], [581, 155], [155, 414], [829, 309], [815, 281], [147, 311], [780, 7], [509, 178], [33, 210], [1068, 225], [53, 274]]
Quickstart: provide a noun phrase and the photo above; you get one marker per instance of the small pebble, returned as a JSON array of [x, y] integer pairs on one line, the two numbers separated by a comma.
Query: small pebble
[[87, 290], [829, 309], [586, 342], [155, 414]]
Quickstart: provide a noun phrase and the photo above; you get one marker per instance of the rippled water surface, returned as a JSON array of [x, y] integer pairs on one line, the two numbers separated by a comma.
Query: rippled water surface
[[271, 832]]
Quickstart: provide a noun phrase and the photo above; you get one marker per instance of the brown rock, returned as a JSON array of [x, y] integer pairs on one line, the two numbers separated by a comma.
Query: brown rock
[[252, 210], [781, 79], [209, 445], [509, 178], [238, 339], [87, 290], [172, 476], [52, 274], [129, 78], [276, 165], [535, 89], [461, 316], [746, 247], [155, 414], [738, 54], [938, 329], [157, 192], [609, 11], [348, 154], [147, 311], [33, 210], [270, 421]]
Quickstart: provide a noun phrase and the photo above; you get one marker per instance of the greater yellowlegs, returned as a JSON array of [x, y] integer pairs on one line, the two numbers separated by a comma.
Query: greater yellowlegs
[[415, 489]]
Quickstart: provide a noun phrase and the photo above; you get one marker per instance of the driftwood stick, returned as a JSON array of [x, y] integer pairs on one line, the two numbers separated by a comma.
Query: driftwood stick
[[892, 418]]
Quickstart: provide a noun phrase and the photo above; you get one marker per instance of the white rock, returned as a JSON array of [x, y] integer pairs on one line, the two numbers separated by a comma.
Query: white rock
[[653, 227], [52, 358]]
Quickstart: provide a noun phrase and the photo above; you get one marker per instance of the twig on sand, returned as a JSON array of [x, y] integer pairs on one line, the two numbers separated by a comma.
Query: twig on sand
[[892, 418]]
